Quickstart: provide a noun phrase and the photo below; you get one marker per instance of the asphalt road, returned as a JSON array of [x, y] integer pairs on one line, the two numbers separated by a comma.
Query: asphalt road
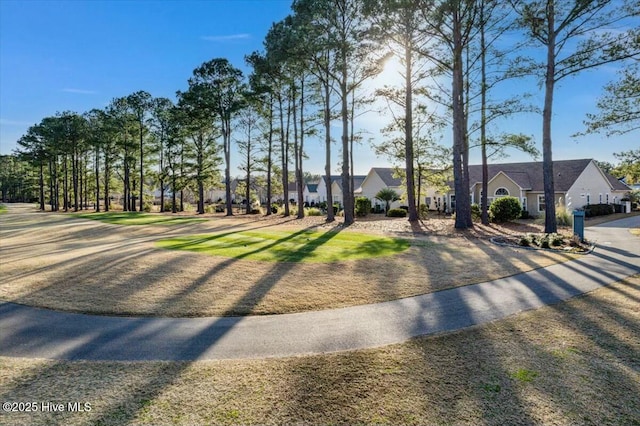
[[38, 333]]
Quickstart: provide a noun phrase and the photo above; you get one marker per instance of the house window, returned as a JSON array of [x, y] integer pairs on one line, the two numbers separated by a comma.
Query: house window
[[501, 192], [524, 203], [588, 199], [607, 198], [453, 203], [542, 206], [600, 198]]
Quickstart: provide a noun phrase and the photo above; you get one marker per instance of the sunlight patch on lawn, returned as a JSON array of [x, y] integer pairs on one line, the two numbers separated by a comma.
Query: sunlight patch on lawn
[[134, 218], [301, 246]]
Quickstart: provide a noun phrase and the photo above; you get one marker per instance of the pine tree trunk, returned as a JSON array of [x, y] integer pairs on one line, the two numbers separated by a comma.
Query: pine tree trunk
[[408, 133], [463, 206], [327, 144], [550, 225]]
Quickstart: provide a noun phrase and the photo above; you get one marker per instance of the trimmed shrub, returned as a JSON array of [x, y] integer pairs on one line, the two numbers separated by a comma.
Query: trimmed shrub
[[397, 213], [592, 210], [556, 240], [505, 209], [544, 242], [475, 212], [312, 211], [363, 206], [423, 211]]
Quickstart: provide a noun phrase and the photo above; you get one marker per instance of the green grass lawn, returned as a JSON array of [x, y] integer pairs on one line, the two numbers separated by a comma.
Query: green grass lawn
[[300, 246], [135, 218], [3, 208]]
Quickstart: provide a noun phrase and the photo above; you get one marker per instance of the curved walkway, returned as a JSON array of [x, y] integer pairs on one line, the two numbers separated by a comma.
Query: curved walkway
[[38, 333]]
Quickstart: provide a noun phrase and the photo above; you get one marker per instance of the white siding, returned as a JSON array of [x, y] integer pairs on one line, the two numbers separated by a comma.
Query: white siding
[[373, 184], [589, 185], [322, 190]]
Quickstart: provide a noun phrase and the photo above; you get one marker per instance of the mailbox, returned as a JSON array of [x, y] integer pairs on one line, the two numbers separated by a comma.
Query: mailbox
[[578, 224]]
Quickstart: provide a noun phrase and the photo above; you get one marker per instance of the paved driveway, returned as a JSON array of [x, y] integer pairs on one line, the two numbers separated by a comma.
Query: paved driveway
[[31, 332]]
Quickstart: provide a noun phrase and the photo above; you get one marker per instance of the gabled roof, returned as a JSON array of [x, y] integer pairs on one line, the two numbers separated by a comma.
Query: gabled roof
[[529, 176], [333, 179], [357, 180], [387, 176], [616, 183]]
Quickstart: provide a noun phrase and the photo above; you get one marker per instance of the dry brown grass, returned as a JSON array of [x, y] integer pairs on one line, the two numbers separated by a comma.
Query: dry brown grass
[[573, 363], [53, 261]]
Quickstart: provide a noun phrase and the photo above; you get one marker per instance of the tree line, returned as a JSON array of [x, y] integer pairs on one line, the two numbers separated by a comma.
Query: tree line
[[312, 73]]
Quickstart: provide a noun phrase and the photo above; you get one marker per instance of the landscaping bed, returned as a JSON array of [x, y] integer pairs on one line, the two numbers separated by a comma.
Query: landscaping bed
[[541, 241]]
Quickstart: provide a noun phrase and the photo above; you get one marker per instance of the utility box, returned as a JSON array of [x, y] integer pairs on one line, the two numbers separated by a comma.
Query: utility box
[[578, 224]]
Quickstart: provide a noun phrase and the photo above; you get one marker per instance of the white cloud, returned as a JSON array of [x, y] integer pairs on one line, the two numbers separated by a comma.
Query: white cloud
[[80, 91], [230, 37], [7, 122]]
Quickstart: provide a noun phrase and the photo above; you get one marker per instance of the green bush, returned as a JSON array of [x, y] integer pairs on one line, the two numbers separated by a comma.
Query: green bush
[[147, 207], [312, 211], [544, 242], [397, 213], [598, 210], [363, 206], [423, 211], [475, 212], [556, 239], [505, 209]]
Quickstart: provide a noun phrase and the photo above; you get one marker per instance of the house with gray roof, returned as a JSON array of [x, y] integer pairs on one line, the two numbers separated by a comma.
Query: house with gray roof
[[577, 183], [379, 178], [336, 187]]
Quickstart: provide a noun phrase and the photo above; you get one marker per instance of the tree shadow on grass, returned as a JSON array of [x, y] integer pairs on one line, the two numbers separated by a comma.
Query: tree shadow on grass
[[125, 409]]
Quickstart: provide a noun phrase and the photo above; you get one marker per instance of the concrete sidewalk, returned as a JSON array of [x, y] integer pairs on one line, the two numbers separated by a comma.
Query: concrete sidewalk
[[38, 333]]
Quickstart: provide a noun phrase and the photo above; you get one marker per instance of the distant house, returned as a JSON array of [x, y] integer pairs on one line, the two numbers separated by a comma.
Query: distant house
[[310, 193], [379, 178], [219, 194], [576, 182], [336, 187]]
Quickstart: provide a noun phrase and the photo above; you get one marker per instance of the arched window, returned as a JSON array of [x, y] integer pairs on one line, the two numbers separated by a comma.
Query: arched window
[[501, 192]]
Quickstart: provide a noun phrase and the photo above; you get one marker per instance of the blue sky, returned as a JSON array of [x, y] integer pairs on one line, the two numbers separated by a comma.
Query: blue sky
[[78, 55]]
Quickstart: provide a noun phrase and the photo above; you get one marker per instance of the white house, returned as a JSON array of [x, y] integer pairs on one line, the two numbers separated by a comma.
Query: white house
[[336, 187], [310, 193], [379, 178]]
